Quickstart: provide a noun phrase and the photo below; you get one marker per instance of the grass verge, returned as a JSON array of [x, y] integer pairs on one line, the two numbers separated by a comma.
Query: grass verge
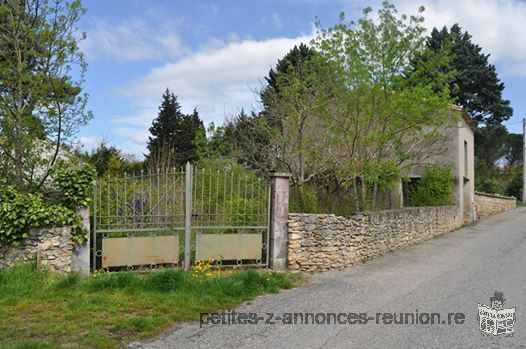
[[44, 310]]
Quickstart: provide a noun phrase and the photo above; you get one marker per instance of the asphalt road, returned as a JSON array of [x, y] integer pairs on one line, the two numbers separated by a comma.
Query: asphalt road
[[451, 273]]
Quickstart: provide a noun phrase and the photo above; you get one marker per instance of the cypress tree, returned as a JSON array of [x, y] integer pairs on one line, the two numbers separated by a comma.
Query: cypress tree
[[171, 143]]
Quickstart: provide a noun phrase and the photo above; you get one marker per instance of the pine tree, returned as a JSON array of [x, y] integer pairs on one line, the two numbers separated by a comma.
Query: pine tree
[[476, 85], [171, 143]]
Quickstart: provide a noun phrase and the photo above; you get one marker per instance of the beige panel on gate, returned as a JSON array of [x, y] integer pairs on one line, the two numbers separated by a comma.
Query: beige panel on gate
[[142, 250], [228, 246]]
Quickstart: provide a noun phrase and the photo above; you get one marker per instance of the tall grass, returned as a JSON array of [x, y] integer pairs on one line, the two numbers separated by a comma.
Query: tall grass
[[44, 310]]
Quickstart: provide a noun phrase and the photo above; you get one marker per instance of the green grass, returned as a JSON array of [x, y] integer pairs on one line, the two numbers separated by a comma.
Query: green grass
[[43, 310]]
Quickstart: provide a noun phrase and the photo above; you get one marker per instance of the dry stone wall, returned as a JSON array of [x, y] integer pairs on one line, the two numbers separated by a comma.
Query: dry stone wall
[[490, 204], [52, 248], [325, 241]]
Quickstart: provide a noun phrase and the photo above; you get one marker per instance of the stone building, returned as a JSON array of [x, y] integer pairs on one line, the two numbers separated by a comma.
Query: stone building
[[458, 154]]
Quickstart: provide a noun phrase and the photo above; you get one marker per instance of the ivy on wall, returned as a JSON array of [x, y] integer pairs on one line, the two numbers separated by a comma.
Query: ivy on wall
[[20, 212]]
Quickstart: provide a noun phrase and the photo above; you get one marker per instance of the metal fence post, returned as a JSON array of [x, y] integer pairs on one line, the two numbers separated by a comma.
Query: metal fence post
[[93, 231], [189, 170], [279, 215]]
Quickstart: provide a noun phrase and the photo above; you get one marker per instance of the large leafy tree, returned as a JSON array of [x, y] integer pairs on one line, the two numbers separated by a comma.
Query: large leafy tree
[[295, 101], [476, 85], [41, 73], [172, 137], [383, 119]]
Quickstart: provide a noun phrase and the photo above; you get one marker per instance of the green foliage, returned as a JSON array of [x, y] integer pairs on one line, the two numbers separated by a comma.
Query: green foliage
[[108, 309], [304, 199], [498, 165], [74, 183], [107, 159], [387, 113], [475, 85], [223, 191], [297, 58], [317, 198], [514, 148], [212, 143], [250, 136], [234, 193], [42, 104], [434, 188], [296, 102], [489, 185], [514, 184], [20, 211], [491, 145]]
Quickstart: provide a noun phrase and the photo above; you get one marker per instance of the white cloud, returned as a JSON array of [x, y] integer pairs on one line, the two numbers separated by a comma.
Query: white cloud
[[132, 39], [88, 143], [134, 139], [496, 25], [219, 79]]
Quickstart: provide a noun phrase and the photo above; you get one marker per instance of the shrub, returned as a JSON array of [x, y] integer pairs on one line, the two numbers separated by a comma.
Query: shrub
[[434, 188], [488, 185], [20, 211]]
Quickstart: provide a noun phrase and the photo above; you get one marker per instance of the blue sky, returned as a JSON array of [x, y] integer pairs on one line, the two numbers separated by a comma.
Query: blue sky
[[214, 54]]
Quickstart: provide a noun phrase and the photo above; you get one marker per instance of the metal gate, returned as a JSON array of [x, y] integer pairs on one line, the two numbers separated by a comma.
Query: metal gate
[[178, 217]]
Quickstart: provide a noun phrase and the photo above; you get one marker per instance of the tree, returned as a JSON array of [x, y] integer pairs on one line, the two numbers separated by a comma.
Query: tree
[[100, 157], [108, 159], [490, 142], [172, 137], [212, 143], [250, 138], [41, 74], [386, 114], [475, 85], [298, 56], [514, 150], [295, 101]]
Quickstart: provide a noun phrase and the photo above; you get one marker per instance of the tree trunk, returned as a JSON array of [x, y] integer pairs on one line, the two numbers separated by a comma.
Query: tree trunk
[[373, 198], [364, 193], [355, 195]]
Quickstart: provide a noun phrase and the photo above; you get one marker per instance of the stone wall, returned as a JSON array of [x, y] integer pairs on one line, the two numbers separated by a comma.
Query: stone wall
[[490, 204], [326, 241], [51, 248]]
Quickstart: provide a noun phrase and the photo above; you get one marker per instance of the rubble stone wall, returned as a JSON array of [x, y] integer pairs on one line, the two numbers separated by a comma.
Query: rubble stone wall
[[490, 204], [325, 241], [51, 248]]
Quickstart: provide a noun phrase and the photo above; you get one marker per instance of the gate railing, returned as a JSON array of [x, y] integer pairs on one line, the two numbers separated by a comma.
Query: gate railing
[[180, 216]]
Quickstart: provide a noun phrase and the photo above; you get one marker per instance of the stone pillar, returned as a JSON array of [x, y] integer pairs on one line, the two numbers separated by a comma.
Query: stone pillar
[[80, 260], [279, 215]]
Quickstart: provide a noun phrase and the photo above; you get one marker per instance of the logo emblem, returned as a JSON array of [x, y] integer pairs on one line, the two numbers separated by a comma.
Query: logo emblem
[[495, 319]]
